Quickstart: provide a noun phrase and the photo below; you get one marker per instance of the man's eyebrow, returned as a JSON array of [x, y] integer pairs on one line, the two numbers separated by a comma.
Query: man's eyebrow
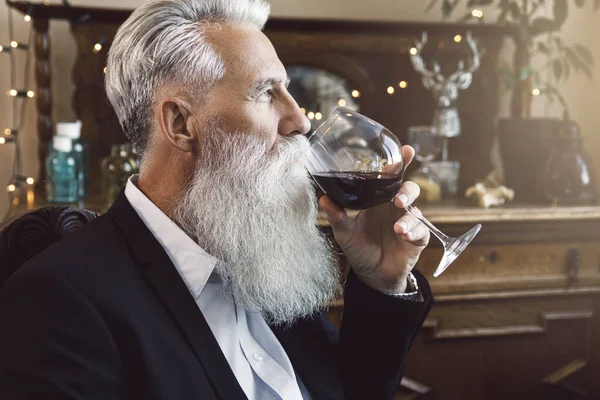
[[263, 84]]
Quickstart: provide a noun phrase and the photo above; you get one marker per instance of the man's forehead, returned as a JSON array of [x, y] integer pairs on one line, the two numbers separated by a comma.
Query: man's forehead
[[247, 53], [238, 42]]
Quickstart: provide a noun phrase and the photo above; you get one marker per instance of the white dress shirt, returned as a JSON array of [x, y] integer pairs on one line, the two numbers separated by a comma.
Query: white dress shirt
[[259, 362]]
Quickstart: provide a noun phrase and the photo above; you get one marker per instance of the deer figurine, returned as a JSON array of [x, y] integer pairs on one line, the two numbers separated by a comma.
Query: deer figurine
[[445, 88]]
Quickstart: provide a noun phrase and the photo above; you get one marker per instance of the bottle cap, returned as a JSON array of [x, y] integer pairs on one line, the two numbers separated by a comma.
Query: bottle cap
[[62, 143], [69, 129]]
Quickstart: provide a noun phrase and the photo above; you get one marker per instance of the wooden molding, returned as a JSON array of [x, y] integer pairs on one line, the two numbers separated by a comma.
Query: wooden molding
[[478, 331]]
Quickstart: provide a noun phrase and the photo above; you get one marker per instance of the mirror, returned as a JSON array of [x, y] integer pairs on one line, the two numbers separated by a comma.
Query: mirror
[[318, 92]]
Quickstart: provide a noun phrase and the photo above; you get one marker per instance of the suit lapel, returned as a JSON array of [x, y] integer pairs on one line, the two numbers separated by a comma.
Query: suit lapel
[[310, 345], [171, 289]]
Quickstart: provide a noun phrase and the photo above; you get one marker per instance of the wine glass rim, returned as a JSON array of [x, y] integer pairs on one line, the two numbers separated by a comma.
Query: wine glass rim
[[343, 110]]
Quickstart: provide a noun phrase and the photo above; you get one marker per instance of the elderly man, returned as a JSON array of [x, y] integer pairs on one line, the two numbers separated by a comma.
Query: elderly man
[[206, 278]]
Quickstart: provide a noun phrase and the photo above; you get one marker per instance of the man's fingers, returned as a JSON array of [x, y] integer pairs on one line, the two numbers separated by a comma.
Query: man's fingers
[[409, 192]]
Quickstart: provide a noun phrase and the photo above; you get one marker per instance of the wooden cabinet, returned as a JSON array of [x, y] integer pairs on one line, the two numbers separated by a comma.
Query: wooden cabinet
[[517, 315]]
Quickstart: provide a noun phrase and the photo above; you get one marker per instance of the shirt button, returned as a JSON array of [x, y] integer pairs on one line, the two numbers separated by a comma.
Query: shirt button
[[257, 357]]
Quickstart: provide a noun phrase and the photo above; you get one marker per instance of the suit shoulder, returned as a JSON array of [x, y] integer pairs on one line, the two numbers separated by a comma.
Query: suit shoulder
[[89, 253]]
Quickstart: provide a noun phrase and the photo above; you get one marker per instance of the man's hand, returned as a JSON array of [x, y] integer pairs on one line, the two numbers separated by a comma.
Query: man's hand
[[382, 244]]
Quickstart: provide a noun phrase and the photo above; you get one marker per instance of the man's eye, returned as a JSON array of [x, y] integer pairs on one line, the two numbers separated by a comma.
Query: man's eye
[[267, 94]]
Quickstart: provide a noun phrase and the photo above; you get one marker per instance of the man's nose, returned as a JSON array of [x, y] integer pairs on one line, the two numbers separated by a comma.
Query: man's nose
[[294, 122]]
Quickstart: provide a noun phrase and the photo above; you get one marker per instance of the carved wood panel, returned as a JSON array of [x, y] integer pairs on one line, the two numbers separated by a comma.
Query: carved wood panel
[[43, 77]]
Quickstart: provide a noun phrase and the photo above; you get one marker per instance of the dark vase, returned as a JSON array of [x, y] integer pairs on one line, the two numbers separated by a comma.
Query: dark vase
[[525, 145], [570, 178]]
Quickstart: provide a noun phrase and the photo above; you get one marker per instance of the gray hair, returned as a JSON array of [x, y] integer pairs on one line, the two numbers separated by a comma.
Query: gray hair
[[164, 41]]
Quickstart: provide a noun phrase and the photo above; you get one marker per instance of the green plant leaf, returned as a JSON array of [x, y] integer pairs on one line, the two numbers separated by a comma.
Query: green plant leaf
[[447, 8], [573, 58], [580, 3], [567, 68], [430, 6], [515, 11], [560, 11], [542, 25], [585, 54], [543, 48], [557, 68]]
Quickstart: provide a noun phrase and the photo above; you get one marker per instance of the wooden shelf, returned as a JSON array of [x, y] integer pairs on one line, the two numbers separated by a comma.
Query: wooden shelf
[[447, 213]]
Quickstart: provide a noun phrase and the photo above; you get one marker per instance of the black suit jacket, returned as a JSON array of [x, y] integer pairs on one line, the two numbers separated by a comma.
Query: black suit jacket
[[104, 314]]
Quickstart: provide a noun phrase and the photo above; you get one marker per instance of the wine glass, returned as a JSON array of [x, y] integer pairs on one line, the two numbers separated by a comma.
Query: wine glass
[[358, 163]]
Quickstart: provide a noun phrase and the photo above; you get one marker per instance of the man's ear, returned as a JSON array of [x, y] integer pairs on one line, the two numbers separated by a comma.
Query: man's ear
[[173, 117]]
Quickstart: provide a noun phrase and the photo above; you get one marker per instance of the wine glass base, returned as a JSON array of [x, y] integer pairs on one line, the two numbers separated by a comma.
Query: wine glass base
[[454, 248]]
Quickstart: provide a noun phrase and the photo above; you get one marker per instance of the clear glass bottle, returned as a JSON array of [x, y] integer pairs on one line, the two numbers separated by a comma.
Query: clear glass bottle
[[116, 170], [62, 172], [570, 178]]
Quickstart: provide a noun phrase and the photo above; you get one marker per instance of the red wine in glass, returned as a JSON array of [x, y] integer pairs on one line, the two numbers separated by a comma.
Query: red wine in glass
[[359, 190]]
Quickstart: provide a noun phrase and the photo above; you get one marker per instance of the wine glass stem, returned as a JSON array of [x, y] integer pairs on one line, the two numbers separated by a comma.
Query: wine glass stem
[[418, 215]]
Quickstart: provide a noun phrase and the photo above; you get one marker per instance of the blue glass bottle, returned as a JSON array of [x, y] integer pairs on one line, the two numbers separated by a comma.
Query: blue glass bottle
[[73, 131], [62, 172]]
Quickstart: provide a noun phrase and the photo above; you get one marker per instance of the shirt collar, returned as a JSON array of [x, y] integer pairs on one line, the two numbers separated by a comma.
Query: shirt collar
[[193, 264]]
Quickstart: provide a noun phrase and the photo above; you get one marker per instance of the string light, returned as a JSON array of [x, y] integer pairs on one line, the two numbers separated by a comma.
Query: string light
[[18, 179], [104, 70], [311, 115], [98, 46], [402, 84], [27, 16], [342, 103], [10, 134], [413, 51], [318, 116], [390, 89], [303, 110], [355, 94], [16, 45], [457, 38], [21, 93], [477, 13], [535, 92], [4, 140]]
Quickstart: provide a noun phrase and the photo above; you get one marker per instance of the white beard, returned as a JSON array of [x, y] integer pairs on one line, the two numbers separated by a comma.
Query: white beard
[[254, 208]]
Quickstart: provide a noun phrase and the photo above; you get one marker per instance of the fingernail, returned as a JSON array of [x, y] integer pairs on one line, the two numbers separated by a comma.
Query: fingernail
[[403, 198], [403, 226]]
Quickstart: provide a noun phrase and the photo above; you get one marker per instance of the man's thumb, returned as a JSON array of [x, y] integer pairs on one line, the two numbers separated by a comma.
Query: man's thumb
[[337, 216]]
